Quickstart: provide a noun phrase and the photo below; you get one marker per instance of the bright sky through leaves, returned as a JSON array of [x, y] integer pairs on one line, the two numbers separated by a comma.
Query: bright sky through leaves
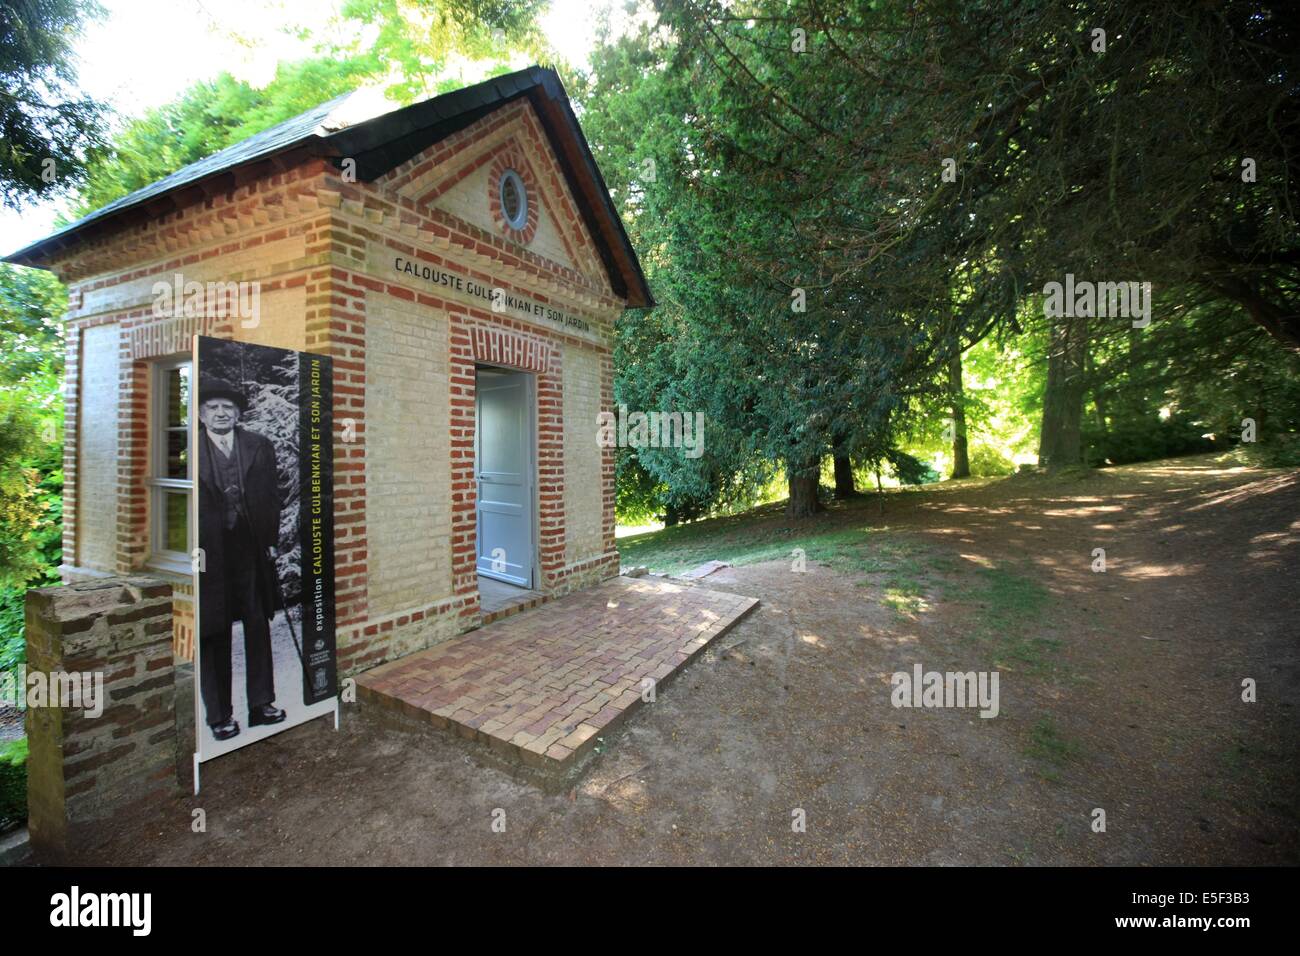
[[146, 53]]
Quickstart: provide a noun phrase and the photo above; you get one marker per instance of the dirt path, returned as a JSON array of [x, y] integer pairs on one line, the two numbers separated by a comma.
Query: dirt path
[[1118, 690]]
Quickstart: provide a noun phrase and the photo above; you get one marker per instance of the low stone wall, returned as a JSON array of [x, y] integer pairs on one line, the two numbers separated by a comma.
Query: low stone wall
[[105, 737]]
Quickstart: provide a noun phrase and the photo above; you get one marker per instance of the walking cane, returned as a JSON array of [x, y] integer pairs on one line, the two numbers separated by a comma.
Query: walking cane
[[279, 592]]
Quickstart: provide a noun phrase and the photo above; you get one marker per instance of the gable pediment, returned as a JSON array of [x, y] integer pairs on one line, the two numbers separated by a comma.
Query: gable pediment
[[461, 176]]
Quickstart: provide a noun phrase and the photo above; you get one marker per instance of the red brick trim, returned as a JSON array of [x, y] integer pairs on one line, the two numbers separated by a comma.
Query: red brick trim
[[511, 159], [608, 460], [268, 201], [525, 139], [336, 326], [464, 494], [550, 472], [167, 336], [497, 346]]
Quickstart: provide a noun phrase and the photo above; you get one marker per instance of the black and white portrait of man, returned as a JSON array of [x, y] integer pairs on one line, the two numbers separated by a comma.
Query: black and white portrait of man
[[265, 615], [239, 531]]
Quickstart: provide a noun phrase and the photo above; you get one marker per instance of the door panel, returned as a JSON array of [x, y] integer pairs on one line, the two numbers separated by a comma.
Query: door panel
[[504, 469]]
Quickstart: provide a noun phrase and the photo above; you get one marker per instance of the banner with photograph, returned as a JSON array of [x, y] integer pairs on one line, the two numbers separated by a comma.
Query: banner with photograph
[[264, 572]]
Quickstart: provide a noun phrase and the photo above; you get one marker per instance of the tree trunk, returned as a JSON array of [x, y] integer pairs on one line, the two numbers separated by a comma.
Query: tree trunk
[[1282, 321], [1060, 443], [803, 492], [672, 517], [960, 456], [1099, 402], [844, 486]]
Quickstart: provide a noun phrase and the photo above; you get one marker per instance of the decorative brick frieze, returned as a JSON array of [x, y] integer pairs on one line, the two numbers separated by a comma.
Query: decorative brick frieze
[[166, 337], [208, 227], [431, 235], [498, 346]]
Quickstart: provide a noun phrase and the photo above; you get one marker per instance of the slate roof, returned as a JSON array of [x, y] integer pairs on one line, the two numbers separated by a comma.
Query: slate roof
[[382, 143]]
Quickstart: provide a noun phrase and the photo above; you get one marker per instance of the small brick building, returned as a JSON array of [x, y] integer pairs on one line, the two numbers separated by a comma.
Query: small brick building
[[461, 261]]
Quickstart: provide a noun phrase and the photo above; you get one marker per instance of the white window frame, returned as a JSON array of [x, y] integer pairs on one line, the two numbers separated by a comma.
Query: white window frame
[[521, 220], [159, 487]]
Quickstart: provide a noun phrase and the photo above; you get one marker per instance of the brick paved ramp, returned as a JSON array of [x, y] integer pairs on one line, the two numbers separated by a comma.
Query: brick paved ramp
[[541, 686]]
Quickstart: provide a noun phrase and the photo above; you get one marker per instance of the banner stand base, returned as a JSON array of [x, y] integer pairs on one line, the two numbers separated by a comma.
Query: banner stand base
[[337, 710]]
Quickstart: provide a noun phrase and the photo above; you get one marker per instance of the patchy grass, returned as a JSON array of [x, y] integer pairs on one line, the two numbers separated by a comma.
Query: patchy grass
[[1010, 617], [1267, 769], [903, 568], [1052, 750], [13, 783], [756, 537], [903, 603], [1009, 608]]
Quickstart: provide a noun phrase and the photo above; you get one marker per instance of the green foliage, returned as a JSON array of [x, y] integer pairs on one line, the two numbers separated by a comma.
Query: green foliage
[[31, 522], [910, 470], [1281, 451], [428, 45], [20, 507], [638, 495], [415, 48], [206, 118], [32, 302], [1143, 438], [784, 364], [748, 170], [985, 462], [1185, 384], [13, 783], [43, 118], [31, 451]]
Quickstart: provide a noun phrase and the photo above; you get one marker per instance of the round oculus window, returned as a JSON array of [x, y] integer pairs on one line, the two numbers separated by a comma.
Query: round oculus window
[[514, 200]]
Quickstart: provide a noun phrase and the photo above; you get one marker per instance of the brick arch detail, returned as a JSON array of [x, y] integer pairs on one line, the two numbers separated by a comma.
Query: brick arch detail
[[497, 346], [511, 158], [493, 345]]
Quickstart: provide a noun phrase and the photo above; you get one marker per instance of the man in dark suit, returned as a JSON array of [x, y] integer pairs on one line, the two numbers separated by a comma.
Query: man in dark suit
[[239, 527]]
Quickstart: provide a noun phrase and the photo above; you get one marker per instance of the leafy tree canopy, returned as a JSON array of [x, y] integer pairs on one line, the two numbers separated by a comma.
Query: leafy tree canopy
[[48, 130]]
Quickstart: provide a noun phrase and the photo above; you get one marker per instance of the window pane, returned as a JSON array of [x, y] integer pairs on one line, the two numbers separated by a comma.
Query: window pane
[[178, 396], [177, 453], [177, 518]]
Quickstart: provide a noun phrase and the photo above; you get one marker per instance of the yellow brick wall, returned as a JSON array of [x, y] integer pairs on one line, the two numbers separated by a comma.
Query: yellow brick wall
[[97, 457], [280, 322], [257, 262], [582, 487], [408, 460]]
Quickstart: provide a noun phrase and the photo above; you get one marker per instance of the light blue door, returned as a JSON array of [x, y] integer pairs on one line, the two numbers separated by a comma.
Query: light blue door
[[504, 462]]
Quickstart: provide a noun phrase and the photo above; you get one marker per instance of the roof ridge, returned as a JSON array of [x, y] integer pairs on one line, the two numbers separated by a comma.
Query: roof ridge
[[380, 140]]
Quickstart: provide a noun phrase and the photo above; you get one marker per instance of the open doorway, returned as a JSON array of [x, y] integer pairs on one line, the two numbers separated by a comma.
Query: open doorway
[[504, 469]]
